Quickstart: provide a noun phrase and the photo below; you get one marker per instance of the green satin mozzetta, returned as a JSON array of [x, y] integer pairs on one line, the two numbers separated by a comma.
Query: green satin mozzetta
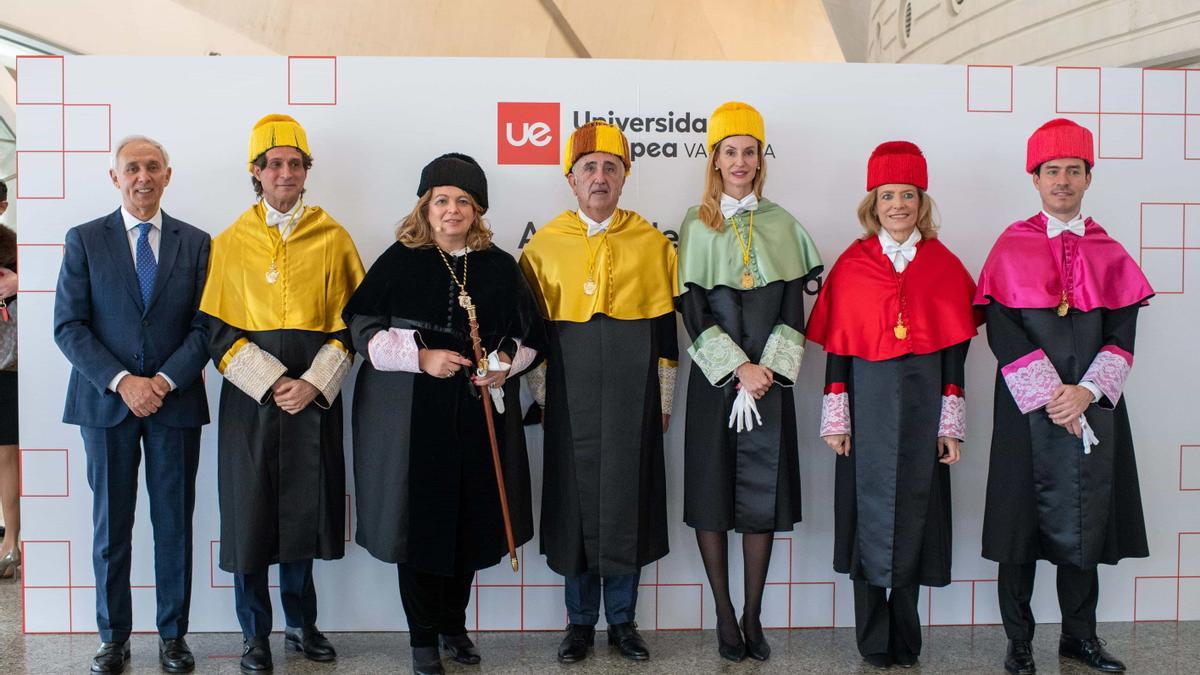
[[782, 250]]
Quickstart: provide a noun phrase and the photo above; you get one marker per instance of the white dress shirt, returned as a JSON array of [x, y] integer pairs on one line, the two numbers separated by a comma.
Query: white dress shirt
[[595, 228], [132, 232]]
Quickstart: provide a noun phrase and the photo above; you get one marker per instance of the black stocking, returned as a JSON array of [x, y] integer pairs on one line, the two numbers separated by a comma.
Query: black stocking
[[714, 550], [756, 550]]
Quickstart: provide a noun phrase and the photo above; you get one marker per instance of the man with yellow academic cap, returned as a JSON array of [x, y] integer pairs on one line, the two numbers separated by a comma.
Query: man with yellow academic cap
[[605, 282], [278, 279]]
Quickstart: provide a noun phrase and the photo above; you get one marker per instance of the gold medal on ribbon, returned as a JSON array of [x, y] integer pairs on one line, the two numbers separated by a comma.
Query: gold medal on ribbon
[[900, 330], [747, 280], [272, 274], [745, 245], [589, 287], [1063, 305]]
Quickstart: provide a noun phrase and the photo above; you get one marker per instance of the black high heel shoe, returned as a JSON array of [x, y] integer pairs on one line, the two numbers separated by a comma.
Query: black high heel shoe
[[731, 651], [758, 649]]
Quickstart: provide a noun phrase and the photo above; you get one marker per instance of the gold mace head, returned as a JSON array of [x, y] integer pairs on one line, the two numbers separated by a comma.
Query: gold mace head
[[515, 564]]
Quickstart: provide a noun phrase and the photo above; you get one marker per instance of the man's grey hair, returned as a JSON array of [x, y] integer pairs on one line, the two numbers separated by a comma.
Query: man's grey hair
[[133, 139]]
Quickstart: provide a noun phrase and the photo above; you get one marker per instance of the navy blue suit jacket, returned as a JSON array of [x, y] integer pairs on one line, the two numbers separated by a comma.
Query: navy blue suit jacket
[[102, 327]]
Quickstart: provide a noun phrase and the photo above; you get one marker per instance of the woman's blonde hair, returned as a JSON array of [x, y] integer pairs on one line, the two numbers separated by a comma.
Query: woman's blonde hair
[[926, 221], [416, 232], [710, 201]]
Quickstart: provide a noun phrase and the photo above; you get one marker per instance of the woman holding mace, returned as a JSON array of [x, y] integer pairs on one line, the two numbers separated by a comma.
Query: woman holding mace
[[446, 321]]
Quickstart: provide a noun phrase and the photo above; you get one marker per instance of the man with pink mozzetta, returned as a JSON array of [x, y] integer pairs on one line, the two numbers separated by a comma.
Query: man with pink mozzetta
[[1061, 299]]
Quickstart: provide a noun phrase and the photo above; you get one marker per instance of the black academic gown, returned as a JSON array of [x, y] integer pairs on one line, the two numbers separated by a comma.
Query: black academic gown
[[281, 478], [425, 482], [1046, 500], [748, 481], [892, 523], [604, 490]]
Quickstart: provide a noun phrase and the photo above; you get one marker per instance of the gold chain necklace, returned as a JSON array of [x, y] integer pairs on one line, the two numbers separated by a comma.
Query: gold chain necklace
[[589, 286], [464, 300], [273, 269], [747, 277]]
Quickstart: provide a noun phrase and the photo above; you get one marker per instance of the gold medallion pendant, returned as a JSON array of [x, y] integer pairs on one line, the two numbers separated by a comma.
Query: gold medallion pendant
[[900, 330], [272, 274], [747, 280], [589, 287], [1063, 305]]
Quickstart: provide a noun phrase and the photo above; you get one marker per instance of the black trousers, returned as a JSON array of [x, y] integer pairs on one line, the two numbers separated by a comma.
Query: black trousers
[[887, 624], [1078, 593], [434, 604], [297, 594]]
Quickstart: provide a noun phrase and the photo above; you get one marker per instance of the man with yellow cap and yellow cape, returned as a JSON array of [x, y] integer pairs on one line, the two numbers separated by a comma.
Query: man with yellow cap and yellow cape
[[278, 279], [604, 280]]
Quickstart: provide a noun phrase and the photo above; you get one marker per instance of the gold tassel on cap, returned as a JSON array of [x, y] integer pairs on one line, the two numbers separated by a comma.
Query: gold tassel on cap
[[274, 131]]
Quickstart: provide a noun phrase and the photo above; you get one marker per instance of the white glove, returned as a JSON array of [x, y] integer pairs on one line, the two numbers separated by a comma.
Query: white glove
[[494, 363], [744, 412], [1089, 436]]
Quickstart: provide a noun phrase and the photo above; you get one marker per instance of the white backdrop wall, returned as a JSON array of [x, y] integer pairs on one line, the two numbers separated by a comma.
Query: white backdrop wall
[[374, 122]]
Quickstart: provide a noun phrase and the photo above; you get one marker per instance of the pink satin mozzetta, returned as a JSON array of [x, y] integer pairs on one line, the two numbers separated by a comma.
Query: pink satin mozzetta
[[1028, 270]]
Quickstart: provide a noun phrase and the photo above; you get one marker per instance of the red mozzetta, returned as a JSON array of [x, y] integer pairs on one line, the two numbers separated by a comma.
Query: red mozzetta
[[864, 299]]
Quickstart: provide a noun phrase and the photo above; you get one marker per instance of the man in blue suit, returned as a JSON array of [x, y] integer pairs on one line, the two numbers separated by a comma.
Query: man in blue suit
[[125, 316]]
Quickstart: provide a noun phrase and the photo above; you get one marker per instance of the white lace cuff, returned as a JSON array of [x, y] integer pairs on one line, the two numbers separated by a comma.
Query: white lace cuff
[[1031, 380], [666, 384], [1108, 372], [717, 355], [249, 368], [783, 353], [395, 349], [522, 358], [835, 412], [327, 372], [536, 379], [953, 422]]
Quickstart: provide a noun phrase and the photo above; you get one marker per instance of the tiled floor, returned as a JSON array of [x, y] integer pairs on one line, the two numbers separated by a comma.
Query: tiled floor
[[1145, 648]]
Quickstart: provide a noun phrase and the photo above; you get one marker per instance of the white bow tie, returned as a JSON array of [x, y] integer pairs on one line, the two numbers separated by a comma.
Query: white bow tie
[[275, 218], [895, 252], [731, 206], [1055, 227]]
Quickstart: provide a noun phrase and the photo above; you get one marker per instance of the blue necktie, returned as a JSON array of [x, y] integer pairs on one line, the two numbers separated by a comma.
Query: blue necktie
[[147, 266]]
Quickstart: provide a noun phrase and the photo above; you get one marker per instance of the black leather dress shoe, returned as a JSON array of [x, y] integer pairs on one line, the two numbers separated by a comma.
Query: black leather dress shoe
[[880, 661], [1019, 660], [427, 661], [174, 656], [461, 649], [1090, 653], [758, 649], [575, 644], [111, 657], [256, 655], [309, 641], [628, 642]]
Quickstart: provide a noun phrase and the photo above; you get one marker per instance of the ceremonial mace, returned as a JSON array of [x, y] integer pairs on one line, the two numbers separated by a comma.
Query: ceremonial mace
[[481, 370]]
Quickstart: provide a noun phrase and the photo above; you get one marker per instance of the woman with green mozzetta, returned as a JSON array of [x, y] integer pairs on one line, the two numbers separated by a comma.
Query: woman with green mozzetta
[[744, 263]]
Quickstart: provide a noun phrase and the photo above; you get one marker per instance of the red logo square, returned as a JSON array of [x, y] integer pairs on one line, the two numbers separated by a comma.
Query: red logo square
[[527, 133]]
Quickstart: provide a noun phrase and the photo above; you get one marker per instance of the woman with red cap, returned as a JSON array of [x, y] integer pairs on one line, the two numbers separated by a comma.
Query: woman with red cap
[[744, 263], [895, 319]]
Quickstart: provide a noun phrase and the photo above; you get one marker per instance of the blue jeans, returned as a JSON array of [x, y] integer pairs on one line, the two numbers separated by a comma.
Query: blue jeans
[[583, 598]]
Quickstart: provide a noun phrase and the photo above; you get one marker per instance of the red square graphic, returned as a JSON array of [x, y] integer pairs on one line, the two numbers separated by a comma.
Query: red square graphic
[[527, 133], [39, 79], [45, 472], [312, 80], [990, 89]]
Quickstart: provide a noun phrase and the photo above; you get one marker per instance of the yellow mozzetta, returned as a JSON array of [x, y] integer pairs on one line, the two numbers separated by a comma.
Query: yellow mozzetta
[[318, 269], [634, 269]]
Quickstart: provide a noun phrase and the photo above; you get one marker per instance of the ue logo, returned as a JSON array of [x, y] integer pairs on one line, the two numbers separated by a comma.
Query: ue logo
[[527, 133]]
